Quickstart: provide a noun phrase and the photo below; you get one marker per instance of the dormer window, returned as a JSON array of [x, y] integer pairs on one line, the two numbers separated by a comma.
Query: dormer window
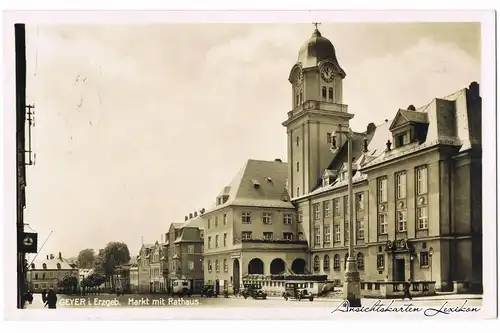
[[402, 139], [44, 265], [255, 183], [33, 266], [58, 266], [326, 181]]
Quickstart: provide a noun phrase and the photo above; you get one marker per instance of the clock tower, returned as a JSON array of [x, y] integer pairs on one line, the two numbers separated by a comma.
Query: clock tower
[[317, 111]]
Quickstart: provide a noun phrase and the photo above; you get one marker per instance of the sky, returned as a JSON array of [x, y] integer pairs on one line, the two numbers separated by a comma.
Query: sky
[[139, 125]]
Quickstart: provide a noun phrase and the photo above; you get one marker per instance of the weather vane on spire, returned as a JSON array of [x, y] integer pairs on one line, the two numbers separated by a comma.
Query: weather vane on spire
[[316, 25]]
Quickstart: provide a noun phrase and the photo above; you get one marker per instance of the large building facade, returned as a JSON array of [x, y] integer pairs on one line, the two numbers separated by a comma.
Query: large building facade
[[45, 273], [417, 191], [416, 179]]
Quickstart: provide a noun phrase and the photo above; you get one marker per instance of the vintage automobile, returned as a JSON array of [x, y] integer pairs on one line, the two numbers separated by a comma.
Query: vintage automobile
[[253, 290], [296, 290], [208, 291]]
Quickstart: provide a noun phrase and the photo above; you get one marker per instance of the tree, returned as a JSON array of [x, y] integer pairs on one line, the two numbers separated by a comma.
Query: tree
[[68, 283], [113, 255], [86, 258]]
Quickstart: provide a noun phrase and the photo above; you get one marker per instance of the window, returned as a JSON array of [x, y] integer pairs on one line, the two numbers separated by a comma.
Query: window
[[326, 263], [326, 206], [44, 266], [246, 235], [361, 261], [216, 241], [225, 240], [202, 234], [224, 219], [360, 205], [337, 232], [336, 207], [401, 215], [266, 218], [208, 223], [346, 205], [323, 93], [58, 266], [190, 249], [345, 260], [298, 140], [336, 262], [288, 236], [287, 218], [402, 139], [424, 259], [217, 266], [328, 137], [300, 217], [216, 221], [225, 265], [209, 266], [316, 211], [316, 263], [209, 242], [246, 217], [361, 229], [382, 190], [422, 217], [191, 265], [380, 261], [268, 236], [298, 191], [346, 231], [317, 236], [421, 180], [330, 94], [327, 234], [36, 276], [382, 222], [401, 185], [298, 167]]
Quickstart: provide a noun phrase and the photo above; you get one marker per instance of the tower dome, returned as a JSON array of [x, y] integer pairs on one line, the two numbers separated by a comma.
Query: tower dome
[[317, 49]]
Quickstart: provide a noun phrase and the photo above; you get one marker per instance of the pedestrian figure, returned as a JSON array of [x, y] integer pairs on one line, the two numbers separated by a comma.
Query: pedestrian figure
[[51, 299], [406, 289], [44, 297]]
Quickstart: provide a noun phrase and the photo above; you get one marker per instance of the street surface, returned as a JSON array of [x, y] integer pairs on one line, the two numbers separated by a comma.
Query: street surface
[[138, 300]]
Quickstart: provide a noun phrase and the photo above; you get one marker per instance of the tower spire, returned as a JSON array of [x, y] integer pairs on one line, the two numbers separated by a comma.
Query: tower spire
[[316, 25]]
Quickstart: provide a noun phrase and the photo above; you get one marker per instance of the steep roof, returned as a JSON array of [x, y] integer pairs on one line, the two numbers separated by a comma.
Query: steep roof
[[52, 263], [261, 184]]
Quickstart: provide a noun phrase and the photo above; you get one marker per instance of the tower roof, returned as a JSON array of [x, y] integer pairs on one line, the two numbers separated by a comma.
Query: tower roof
[[317, 49]]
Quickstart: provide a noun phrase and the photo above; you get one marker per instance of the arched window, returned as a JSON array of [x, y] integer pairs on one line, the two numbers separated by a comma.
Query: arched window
[[345, 261], [323, 93], [316, 264], [225, 265], [330, 94], [209, 266], [326, 263], [361, 261], [336, 262], [217, 267]]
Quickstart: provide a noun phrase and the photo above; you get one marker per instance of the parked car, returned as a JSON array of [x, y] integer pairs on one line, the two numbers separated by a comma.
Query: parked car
[[293, 290], [208, 291], [181, 287], [254, 290]]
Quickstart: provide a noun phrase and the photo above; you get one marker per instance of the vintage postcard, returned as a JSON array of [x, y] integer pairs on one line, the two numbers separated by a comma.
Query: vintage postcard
[[249, 165]]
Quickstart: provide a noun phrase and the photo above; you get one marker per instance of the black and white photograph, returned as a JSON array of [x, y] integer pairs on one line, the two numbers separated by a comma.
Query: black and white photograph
[[313, 165]]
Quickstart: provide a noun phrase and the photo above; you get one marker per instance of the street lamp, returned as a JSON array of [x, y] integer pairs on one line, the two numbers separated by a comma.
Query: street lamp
[[352, 287], [431, 253]]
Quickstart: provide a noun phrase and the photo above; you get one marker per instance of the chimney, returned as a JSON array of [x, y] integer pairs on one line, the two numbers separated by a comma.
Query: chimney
[[190, 215], [411, 107], [186, 218], [365, 145], [370, 128], [278, 160], [60, 256], [388, 144], [195, 214]]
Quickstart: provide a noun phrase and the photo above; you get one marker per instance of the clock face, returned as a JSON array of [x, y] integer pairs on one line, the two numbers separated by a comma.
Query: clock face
[[299, 77], [327, 74]]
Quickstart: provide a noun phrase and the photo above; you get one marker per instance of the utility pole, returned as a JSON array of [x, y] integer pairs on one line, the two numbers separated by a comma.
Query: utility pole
[[20, 51]]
